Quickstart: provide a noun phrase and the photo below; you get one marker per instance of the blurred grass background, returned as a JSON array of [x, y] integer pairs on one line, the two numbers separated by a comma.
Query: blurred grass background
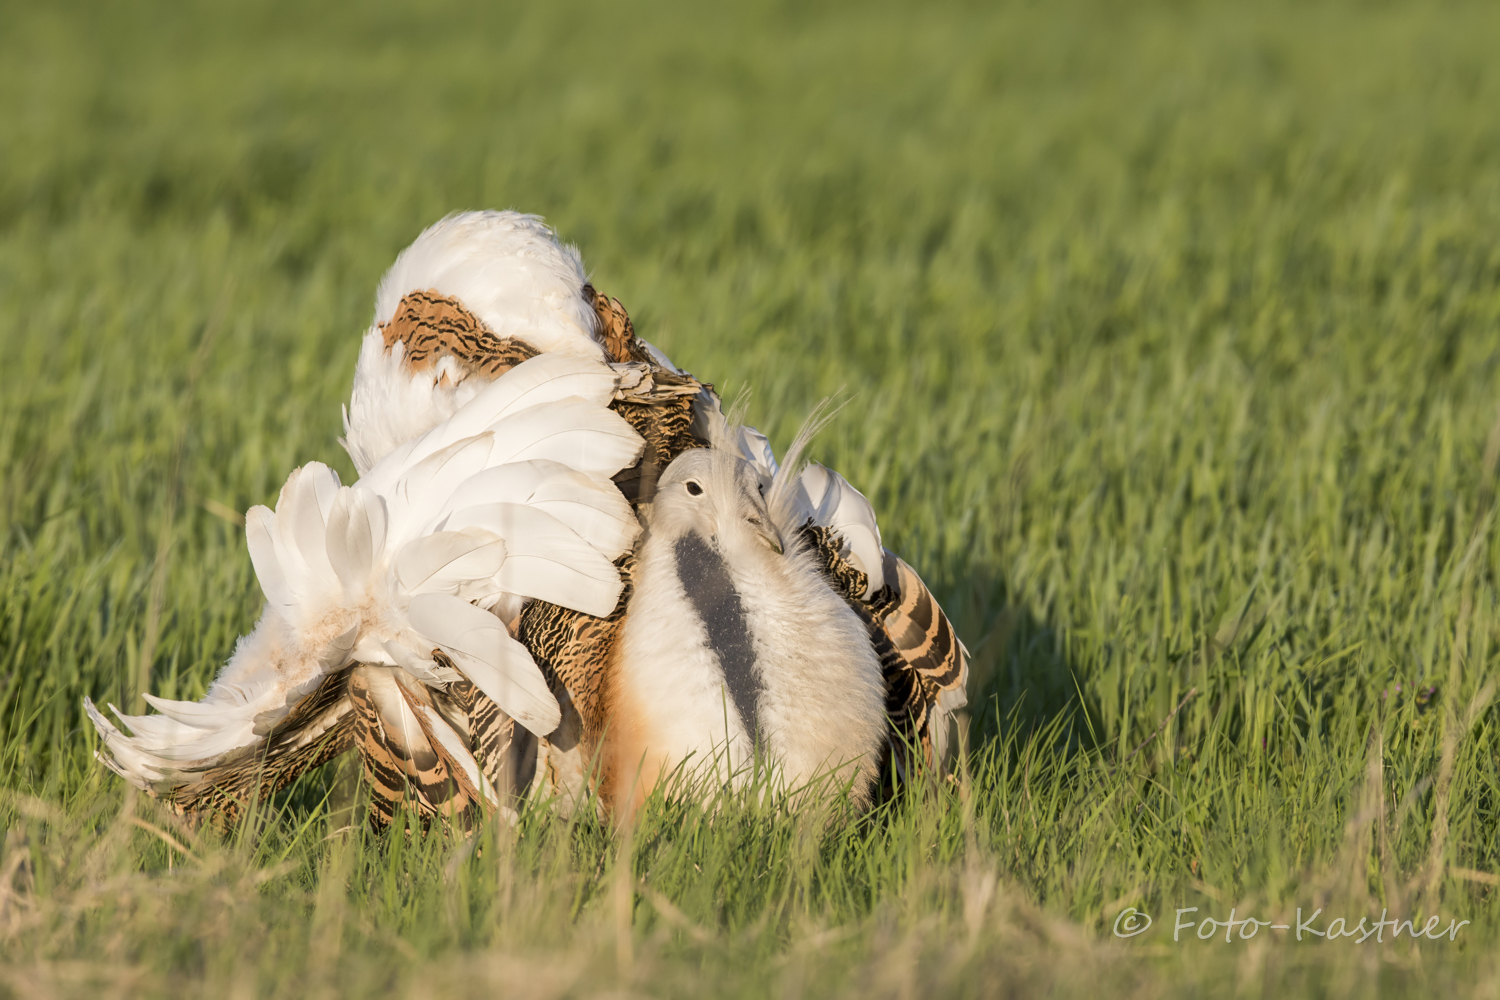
[[1172, 338]]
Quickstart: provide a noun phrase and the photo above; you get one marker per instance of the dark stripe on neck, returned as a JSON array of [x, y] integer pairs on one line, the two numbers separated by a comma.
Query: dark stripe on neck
[[706, 581]]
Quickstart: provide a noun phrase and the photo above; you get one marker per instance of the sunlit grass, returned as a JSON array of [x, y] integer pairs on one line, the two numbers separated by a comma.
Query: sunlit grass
[[1171, 339]]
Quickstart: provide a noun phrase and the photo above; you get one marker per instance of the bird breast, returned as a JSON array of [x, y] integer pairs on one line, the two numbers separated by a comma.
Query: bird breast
[[721, 656]]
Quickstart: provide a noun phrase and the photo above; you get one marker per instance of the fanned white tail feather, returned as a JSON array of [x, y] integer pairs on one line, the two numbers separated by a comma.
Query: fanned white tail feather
[[509, 499]]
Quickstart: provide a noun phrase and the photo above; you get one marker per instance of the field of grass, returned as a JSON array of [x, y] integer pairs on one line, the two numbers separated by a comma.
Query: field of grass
[[1171, 339]]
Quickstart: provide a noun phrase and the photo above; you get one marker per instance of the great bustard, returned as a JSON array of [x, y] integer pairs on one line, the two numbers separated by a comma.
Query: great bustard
[[510, 431]]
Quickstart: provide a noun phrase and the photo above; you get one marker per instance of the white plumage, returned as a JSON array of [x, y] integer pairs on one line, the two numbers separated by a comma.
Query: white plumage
[[479, 493], [507, 268], [508, 500], [734, 638]]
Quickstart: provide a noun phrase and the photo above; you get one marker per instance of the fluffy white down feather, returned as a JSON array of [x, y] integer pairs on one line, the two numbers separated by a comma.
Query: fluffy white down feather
[[821, 696], [510, 498], [507, 268]]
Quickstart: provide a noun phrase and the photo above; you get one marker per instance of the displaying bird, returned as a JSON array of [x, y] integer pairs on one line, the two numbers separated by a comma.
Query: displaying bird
[[512, 433]]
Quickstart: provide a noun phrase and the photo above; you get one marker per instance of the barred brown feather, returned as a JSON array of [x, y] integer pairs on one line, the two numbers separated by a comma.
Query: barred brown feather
[[574, 651], [919, 653], [615, 329], [402, 758], [918, 627], [431, 325], [318, 729]]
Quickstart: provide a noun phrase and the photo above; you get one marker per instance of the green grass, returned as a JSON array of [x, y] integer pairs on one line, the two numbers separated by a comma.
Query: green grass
[[1171, 337]]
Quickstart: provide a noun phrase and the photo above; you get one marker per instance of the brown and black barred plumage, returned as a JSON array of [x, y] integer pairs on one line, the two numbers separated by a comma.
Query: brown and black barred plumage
[[569, 646], [574, 651], [920, 655], [321, 727], [430, 325], [447, 750], [616, 331], [401, 744]]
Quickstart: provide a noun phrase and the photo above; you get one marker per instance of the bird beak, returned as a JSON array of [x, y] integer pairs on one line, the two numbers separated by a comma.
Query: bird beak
[[768, 534]]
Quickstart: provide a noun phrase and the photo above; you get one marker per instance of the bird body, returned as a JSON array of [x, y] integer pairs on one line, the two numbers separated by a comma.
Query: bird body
[[734, 644], [481, 614]]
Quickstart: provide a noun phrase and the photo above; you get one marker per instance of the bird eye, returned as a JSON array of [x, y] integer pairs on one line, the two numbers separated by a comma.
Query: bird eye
[[693, 488], [762, 488]]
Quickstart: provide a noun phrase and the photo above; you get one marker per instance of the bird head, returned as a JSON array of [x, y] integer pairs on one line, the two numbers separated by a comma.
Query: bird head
[[718, 495]]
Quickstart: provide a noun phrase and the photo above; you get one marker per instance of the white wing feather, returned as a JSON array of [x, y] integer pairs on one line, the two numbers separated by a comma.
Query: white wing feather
[[508, 500], [591, 506], [450, 562], [417, 497], [356, 537], [483, 651], [260, 537], [546, 559], [579, 434], [546, 378]]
